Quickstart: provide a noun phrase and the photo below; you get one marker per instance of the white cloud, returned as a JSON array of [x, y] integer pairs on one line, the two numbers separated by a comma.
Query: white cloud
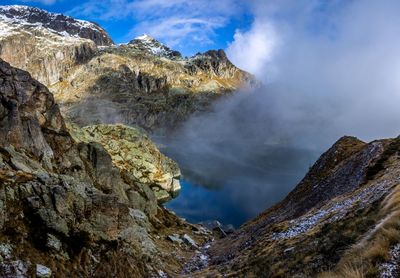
[[254, 50], [332, 68], [175, 22]]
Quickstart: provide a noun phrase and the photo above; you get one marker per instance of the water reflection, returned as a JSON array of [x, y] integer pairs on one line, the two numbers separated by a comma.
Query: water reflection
[[232, 191]]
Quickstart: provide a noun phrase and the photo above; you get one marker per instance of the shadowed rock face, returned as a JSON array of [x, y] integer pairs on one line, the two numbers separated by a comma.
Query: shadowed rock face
[[64, 206]]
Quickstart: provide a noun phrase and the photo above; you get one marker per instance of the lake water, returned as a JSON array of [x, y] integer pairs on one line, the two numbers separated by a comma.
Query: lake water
[[219, 187]]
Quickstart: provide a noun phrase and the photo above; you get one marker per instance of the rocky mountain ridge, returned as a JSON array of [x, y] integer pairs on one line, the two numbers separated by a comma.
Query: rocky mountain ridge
[[141, 83], [150, 45], [31, 17], [86, 201]]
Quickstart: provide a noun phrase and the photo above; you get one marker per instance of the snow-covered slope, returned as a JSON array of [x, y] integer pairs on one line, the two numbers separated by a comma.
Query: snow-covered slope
[[45, 44], [14, 17]]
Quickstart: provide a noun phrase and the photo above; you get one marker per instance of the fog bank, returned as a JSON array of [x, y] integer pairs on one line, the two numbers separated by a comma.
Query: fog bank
[[328, 68]]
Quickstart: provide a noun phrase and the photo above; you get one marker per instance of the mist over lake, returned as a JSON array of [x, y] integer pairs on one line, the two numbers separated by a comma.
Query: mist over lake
[[221, 183]]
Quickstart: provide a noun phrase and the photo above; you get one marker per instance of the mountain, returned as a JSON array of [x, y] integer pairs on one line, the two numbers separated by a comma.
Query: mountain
[[73, 203], [150, 45], [87, 201], [34, 19], [142, 83], [47, 45]]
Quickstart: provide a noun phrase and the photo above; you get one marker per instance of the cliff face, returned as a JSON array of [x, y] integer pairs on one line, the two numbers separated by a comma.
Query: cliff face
[[141, 83], [127, 85], [342, 220], [65, 207]]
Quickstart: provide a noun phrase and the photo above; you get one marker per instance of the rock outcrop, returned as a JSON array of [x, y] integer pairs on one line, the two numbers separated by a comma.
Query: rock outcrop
[[342, 220], [136, 156], [65, 209]]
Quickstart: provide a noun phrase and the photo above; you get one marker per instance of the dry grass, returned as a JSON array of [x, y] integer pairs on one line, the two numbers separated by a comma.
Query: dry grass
[[348, 271], [363, 259]]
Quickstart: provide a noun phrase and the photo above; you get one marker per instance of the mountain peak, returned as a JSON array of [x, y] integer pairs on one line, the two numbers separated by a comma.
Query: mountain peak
[[152, 46], [145, 37], [30, 17]]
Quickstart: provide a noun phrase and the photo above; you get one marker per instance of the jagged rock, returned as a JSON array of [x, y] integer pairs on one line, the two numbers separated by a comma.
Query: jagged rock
[[175, 238], [63, 25], [5, 251], [150, 45], [14, 269], [53, 242]]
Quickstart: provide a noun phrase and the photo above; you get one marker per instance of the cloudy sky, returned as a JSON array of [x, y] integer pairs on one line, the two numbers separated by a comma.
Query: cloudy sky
[[189, 26]]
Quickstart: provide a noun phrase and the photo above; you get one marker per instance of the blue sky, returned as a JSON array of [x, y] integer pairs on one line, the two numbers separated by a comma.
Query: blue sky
[[187, 26]]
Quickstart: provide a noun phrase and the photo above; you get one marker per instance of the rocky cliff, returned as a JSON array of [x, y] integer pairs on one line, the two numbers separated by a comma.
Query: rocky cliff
[[67, 208], [342, 220], [141, 83]]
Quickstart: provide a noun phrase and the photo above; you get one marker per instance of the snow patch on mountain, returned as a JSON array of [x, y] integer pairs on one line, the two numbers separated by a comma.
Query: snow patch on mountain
[[26, 17]]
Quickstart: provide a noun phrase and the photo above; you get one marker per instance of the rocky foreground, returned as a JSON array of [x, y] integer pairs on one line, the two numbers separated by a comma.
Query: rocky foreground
[[68, 208]]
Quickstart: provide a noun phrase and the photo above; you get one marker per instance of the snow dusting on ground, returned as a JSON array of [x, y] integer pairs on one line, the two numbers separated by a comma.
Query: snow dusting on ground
[[334, 211], [392, 268]]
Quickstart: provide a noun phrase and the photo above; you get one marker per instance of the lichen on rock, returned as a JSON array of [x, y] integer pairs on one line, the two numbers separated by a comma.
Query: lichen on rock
[[137, 157]]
